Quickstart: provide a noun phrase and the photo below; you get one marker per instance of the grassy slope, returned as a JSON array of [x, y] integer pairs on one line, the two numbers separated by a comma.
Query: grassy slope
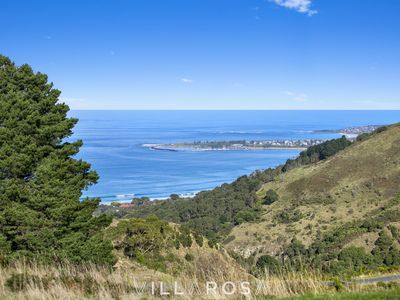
[[346, 187], [376, 295]]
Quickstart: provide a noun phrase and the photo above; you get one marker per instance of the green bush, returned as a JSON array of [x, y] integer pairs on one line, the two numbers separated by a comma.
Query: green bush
[[288, 216], [174, 196], [198, 238], [185, 237], [355, 260], [189, 257], [362, 137], [318, 152], [151, 241], [295, 249], [212, 244], [267, 263], [270, 197], [395, 232], [248, 215]]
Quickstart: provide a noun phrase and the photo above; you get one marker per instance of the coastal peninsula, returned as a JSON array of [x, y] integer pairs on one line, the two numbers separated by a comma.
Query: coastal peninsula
[[350, 133], [236, 145]]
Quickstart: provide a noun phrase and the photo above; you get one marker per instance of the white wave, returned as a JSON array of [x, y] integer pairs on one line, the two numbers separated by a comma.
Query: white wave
[[241, 132], [303, 131], [189, 195], [124, 196], [182, 195]]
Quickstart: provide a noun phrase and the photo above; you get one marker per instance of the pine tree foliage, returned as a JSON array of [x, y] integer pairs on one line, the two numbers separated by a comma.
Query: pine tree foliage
[[41, 214]]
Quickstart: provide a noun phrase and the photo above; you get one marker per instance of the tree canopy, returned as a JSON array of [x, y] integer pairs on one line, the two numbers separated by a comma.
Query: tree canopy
[[41, 213]]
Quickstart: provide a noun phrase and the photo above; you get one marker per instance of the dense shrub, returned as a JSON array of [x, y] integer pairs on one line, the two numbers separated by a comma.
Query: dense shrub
[[270, 197], [355, 260], [330, 252], [288, 216], [295, 249], [318, 152], [138, 237], [365, 136], [151, 241], [395, 232], [269, 264], [210, 213], [185, 238], [362, 137], [189, 257], [248, 215], [198, 238]]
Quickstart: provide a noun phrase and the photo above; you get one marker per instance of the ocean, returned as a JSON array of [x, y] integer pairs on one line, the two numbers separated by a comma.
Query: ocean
[[113, 144]]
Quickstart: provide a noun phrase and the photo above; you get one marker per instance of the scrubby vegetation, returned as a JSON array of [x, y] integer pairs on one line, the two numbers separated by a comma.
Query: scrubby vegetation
[[317, 153], [211, 213], [153, 243], [270, 197], [331, 254], [267, 264], [214, 213], [340, 215]]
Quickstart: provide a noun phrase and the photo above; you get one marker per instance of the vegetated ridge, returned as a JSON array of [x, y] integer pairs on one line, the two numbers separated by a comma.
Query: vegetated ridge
[[334, 188], [342, 211]]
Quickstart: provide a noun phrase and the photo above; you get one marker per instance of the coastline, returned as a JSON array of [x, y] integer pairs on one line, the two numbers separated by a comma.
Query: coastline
[[128, 199], [162, 147], [186, 170], [350, 133]]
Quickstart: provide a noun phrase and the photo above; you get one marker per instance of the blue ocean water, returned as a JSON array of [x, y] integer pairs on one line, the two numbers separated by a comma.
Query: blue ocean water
[[113, 145]]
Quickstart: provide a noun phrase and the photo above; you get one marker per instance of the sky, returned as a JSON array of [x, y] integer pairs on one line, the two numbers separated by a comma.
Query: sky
[[210, 54]]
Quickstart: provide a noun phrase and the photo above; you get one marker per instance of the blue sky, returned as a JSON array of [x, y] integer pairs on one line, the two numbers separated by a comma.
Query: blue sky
[[211, 54]]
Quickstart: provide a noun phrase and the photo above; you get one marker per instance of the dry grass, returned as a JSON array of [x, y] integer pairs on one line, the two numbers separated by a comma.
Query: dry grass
[[349, 186], [292, 284], [35, 281]]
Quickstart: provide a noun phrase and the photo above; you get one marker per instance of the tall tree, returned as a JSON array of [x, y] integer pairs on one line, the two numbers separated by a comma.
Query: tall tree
[[40, 180]]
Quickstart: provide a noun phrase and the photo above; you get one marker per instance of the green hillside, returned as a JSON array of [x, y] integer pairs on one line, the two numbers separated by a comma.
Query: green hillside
[[215, 212], [347, 200], [338, 198]]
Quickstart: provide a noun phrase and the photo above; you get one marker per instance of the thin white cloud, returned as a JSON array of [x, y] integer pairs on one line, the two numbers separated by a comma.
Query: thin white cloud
[[256, 10], [289, 93], [297, 97], [302, 6], [186, 80]]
